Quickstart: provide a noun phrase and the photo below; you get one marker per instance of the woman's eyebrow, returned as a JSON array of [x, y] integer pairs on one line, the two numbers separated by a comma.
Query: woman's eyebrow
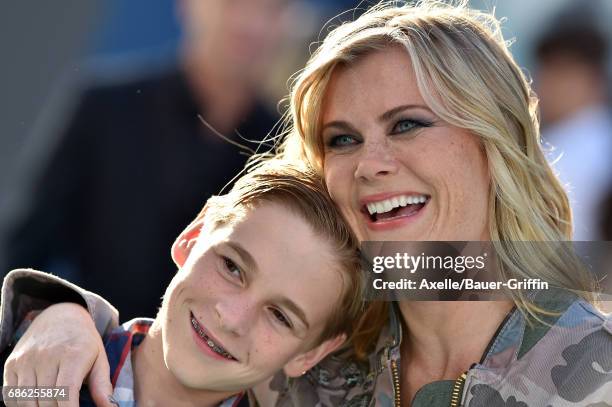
[[340, 125], [386, 116], [392, 112], [293, 307]]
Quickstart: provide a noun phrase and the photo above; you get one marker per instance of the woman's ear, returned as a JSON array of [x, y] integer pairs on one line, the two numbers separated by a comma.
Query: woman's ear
[[304, 361], [187, 239]]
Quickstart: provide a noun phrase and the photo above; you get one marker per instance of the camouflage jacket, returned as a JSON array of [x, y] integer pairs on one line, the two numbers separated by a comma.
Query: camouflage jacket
[[565, 361]]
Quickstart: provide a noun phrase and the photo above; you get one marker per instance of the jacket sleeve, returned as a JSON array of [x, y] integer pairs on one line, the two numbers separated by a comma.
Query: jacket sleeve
[[26, 290]]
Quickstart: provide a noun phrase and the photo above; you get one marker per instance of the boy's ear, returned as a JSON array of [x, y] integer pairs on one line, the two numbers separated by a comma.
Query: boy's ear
[[303, 362], [187, 239]]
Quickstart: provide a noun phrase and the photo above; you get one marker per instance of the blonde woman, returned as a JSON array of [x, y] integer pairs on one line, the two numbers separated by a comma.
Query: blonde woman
[[424, 104]]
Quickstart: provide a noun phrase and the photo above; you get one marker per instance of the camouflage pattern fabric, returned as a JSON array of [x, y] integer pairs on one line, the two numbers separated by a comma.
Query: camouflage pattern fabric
[[567, 363]]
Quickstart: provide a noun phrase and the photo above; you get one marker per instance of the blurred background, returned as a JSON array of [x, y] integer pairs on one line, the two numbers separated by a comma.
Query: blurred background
[[106, 142]]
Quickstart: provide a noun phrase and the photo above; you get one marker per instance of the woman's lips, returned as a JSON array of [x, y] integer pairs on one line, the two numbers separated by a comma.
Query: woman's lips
[[393, 210], [207, 343]]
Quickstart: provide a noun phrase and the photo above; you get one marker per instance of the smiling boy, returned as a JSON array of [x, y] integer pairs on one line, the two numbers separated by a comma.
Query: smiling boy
[[260, 273], [268, 279]]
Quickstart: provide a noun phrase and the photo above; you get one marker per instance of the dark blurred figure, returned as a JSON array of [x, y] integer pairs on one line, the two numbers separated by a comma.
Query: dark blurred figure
[[571, 82], [135, 164]]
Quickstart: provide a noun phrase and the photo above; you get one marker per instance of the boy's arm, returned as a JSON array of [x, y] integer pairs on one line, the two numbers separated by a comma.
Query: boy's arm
[[27, 290]]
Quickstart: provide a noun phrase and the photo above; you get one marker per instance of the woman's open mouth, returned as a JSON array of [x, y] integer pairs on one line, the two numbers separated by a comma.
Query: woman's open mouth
[[398, 206], [207, 342]]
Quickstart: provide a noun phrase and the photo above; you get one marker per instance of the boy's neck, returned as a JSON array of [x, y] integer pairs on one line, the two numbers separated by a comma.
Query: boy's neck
[[155, 385]]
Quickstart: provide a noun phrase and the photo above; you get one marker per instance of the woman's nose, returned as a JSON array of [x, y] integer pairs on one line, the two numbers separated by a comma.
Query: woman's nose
[[376, 161]]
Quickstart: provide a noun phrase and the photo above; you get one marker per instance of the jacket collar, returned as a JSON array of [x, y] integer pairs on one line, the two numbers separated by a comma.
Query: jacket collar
[[515, 331]]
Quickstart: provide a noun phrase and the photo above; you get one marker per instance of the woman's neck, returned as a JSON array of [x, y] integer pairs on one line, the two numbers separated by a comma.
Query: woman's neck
[[444, 338], [155, 385]]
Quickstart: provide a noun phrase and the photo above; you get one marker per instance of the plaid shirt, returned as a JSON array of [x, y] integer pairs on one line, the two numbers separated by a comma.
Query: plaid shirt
[[119, 345], [24, 297]]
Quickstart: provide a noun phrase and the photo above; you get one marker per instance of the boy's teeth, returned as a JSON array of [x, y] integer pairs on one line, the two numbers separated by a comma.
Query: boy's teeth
[[209, 342], [395, 202]]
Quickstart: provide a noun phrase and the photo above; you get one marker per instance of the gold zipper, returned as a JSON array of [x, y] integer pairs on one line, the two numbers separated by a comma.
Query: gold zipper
[[457, 390], [396, 383]]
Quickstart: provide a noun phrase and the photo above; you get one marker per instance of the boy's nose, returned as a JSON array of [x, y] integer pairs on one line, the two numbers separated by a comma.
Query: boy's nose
[[234, 315]]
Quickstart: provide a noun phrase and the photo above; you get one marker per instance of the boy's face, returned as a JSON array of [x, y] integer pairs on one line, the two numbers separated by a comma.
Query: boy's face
[[250, 298]]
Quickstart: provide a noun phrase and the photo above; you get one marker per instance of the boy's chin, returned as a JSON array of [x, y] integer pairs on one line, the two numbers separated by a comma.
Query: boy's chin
[[211, 379]]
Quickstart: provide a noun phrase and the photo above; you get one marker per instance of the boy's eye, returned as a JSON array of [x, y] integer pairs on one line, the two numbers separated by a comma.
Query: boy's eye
[[280, 317], [232, 269], [342, 140]]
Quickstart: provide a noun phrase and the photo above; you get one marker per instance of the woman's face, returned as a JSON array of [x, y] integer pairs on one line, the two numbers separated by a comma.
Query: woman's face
[[396, 170]]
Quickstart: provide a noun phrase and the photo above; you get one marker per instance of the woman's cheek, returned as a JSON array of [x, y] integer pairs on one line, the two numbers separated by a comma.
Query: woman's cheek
[[338, 190]]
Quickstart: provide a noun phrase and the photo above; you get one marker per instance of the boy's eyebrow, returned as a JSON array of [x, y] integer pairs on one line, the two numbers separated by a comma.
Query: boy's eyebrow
[[296, 310], [245, 256]]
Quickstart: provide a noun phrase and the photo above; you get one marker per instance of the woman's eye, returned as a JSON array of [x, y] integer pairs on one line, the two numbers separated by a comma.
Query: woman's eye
[[280, 317], [404, 125], [342, 141], [232, 268]]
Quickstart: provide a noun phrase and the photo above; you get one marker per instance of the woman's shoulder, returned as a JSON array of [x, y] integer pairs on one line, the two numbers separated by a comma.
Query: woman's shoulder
[[344, 379], [567, 320], [563, 360], [581, 322], [571, 323], [336, 379], [584, 353]]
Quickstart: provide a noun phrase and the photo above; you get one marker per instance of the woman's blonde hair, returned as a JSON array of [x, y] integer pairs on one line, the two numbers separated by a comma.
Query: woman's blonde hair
[[469, 79]]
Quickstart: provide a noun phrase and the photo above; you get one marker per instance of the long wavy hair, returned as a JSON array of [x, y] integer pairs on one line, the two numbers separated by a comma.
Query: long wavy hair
[[469, 79]]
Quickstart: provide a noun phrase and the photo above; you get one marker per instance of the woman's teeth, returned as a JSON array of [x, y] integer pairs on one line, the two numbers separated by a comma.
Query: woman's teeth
[[388, 205], [211, 344]]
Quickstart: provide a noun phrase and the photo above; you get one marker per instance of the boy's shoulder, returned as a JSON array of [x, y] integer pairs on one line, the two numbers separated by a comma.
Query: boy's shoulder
[[121, 341], [118, 345], [131, 332]]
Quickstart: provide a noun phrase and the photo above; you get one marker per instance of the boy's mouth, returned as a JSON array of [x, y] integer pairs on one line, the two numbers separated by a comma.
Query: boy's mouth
[[215, 347]]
